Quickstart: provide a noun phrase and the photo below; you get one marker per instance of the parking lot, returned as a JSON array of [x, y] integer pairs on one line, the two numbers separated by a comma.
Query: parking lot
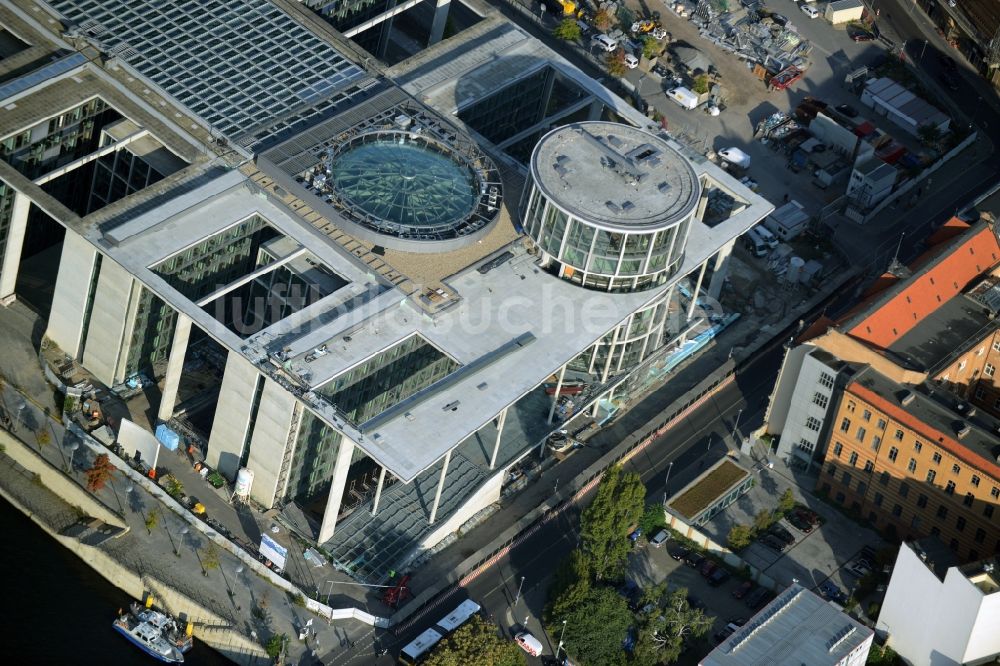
[[824, 553]]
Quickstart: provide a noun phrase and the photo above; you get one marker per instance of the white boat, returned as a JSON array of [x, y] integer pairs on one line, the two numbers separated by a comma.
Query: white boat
[[155, 633]]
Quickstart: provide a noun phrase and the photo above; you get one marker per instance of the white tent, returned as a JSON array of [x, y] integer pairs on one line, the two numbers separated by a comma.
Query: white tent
[[133, 438]]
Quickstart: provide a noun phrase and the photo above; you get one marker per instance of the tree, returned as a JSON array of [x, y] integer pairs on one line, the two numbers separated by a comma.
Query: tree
[[615, 62], [604, 20], [567, 30], [604, 524], [739, 537], [786, 502], [700, 85], [570, 585], [883, 656], [275, 645], [661, 633], [596, 627], [173, 486], [653, 519], [650, 47], [152, 520], [210, 557], [99, 473], [43, 438], [476, 642], [763, 520]]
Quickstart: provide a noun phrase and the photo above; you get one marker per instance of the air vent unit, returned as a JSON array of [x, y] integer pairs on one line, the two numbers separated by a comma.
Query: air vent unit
[[908, 397], [962, 429]]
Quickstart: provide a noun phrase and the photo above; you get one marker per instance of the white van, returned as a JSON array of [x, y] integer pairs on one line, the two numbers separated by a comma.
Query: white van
[[770, 240], [754, 244], [604, 43], [684, 97]]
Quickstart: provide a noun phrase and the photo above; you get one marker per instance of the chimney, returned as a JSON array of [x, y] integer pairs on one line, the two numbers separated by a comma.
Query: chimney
[[907, 397], [963, 429]]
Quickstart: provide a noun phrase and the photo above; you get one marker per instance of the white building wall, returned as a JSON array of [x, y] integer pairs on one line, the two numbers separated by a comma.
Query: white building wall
[[802, 407], [76, 266], [232, 416], [487, 494], [781, 396], [110, 323], [928, 621], [984, 640], [267, 444]]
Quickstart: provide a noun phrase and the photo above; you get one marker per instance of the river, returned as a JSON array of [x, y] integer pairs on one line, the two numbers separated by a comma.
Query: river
[[57, 610]]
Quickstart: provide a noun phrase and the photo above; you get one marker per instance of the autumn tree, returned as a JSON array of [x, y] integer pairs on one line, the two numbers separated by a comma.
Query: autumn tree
[[615, 62], [604, 19], [99, 473], [604, 525], [567, 30], [662, 631], [476, 642]]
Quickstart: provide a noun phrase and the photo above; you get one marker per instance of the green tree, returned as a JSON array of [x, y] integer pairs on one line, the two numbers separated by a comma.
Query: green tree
[[786, 502], [99, 473], [596, 627], [476, 642], [567, 30], [615, 62], [570, 585], [275, 645], [173, 486], [152, 520], [604, 525], [739, 537], [650, 47], [653, 520], [700, 85], [661, 633], [210, 557], [763, 520], [883, 655]]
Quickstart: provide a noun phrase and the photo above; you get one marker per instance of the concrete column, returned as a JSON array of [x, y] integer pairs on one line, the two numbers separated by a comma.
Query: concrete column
[[555, 397], [721, 269], [611, 353], [440, 488], [496, 445], [697, 289], [378, 491], [175, 367], [543, 105], [596, 109], [12, 253], [340, 468], [437, 26]]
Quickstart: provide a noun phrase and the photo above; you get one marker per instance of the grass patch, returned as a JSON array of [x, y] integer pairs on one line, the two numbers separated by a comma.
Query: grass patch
[[703, 493]]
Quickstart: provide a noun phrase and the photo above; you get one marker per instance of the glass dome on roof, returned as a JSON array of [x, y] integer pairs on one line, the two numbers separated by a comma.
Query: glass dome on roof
[[404, 180]]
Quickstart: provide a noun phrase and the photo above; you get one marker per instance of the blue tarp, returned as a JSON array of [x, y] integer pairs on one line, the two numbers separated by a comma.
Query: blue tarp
[[167, 437]]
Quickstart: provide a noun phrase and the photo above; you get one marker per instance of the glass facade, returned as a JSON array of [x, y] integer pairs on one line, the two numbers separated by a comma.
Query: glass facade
[[387, 378], [603, 259], [631, 342], [117, 175], [312, 464], [152, 334]]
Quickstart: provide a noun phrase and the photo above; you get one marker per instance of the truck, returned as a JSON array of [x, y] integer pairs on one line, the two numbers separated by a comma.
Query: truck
[[683, 97]]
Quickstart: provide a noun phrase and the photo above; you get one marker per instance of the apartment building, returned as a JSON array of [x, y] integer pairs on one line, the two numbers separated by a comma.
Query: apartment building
[[915, 461]]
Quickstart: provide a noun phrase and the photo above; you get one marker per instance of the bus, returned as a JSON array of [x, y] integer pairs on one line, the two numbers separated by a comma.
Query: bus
[[457, 617], [414, 653]]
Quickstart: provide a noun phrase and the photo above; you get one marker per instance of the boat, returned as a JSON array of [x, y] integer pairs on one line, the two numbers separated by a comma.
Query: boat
[[155, 633]]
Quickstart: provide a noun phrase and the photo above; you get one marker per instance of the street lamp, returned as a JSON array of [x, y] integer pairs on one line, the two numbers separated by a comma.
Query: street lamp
[[518, 597], [666, 483], [561, 635], [736, 428]]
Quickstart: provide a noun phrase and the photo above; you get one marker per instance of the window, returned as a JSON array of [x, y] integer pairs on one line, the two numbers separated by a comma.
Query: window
[[995, 493], [837, 448], [996, 404], [917, 446], [955, 469], [936, 458], [960, 524], [996, 346], [935, 531], [980, 393], [840, 498], [922, 500], [975, 481], [881, 424], [878, 499], [873, 518], [866, 415], [831, 469], [897, 511], [884, 479], [904, 489], [988, 510], [980, 535], [915, 522], [968, 499], [893, 452], [930, 476], [845, 478], [961, 366], [989, 370], [851, 406], [827, 379], [949, 488], [853, 459], [813, 424], [821, 400], [912, 466], [942, 512], [845, 425], [860, 434], [862, 487], [973, 555], [899, 435], [869, 466], [953, 544], [876, 442]]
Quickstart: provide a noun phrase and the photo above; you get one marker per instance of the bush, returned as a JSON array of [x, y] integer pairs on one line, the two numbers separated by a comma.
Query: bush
[[763, 520], [297, 599], [275, 645], [786, 502], [567, 30], [650, 47], [604, 20], [700, 84], [615, 63], [173, 487], [653, 520], [739, 537]]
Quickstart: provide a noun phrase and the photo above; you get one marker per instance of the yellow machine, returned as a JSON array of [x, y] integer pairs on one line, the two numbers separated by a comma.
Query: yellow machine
[[642, 26], [569, 7]]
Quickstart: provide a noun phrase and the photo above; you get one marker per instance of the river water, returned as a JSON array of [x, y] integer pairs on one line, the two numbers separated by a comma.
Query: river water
[[56, 610]]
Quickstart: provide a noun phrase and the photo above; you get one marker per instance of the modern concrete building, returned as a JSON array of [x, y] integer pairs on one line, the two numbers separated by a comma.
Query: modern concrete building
[[798, 627], [325, 276], [936, 613]]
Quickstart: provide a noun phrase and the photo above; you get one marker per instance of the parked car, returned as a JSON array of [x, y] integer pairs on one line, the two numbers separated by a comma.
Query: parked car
[[529, 643], [757, 598], [830, 590], [743, 589], [604, 43], [718, 577], [861, 569], [949, 80], [679, 552], [847, 110], [947, 62], [694, 560], [659, 539], [707, 568], [726, 632], [780, 19], [860, 34], [631, 61], [738, 621], [781, 533], [773, 542], [810, 11], [694, 602]]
